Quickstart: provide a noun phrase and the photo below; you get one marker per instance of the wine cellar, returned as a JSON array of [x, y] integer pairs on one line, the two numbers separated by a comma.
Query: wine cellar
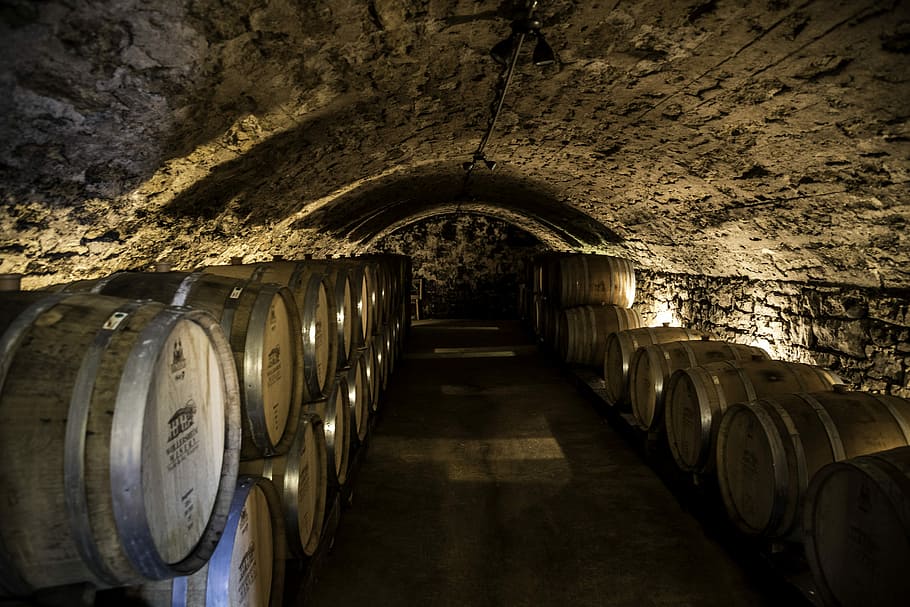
[[454, 302]]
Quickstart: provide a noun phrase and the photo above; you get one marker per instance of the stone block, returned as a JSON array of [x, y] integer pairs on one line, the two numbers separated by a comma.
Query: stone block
[[847, 336]]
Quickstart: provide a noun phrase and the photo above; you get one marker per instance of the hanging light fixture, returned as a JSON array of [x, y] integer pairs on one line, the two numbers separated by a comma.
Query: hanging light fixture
[[505, 52], [502, 52], [543, 52]]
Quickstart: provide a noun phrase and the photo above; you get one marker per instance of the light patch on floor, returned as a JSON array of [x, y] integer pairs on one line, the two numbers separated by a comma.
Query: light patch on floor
[[497, 460], [479, 352]]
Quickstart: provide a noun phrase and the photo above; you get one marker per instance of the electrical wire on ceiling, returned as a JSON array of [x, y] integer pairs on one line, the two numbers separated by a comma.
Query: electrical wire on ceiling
[[506, 53]]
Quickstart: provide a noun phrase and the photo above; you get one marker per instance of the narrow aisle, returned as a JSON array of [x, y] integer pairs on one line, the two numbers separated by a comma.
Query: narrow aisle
[[491, 481]]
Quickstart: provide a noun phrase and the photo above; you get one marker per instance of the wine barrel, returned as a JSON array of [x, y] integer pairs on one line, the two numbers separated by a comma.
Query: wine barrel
[[248, 565], [546, 273], [538, 315], [343, 301], [334, 410], [383, 362], [369, 296], [595, 279], [363, 298], [857, 527], [653, 365], [583, 332], [622, 345], [318, 320], [697, 397], [769, 450], [119, 437], [388, 341], [260, 321], [382, 277], [300, 477], [361, 378]]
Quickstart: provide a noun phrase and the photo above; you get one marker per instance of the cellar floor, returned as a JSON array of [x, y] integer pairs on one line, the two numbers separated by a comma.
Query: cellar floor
[[490, 480]]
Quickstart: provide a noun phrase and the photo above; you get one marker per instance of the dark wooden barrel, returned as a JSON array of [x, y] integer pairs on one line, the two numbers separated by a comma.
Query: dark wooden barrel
[[621, 347], [318, 320], [260, 321], [343, 301], [360, 378], [538, 314], [697, 397], [363, 297], [857, 522], [653, 365], [388, 356], [583, 331], [301, 478], [594, 280], [248, 566], [769, 450], [119, 437], [334, 410], [381, 269]]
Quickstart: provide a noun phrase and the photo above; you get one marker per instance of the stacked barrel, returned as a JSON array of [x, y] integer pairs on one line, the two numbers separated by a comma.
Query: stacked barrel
[[181, 434], [577, 300], [792, 456]]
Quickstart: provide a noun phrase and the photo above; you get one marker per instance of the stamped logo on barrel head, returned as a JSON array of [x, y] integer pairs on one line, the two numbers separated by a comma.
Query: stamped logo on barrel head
[[274, 365], [182, 438]]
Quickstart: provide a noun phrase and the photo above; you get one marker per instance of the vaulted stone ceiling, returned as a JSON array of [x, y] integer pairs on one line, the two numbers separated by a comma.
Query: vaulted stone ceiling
[[768, 139]]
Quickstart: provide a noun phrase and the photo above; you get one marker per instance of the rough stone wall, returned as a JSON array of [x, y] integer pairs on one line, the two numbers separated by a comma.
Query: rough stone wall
[[766, 139], [470, 265], [863, 334]]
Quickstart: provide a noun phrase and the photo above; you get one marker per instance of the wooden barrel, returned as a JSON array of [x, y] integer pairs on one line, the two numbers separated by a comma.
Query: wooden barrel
[[389, 355], [260, 321], [301, 478], [546, 272], [653, 365], [622, 345], [362, 294], [360, 377], [583, 332], [769, 450], [697, 397], [248, 565], [383, 287], [318, 328], [119, 437], [595, 279], [334, 410], [857, 522], [538, 314], [369, 297], [383, 361], [342, 300]]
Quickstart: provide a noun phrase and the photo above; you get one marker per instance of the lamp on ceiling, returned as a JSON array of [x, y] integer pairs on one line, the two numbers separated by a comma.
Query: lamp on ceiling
[[505, 52], [502, 51], [543, 52]]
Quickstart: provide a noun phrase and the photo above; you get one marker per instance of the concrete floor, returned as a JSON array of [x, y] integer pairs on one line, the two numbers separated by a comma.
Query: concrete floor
[[491, 481]]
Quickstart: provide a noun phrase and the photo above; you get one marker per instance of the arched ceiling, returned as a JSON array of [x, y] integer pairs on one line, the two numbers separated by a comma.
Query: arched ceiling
[[767, 139]]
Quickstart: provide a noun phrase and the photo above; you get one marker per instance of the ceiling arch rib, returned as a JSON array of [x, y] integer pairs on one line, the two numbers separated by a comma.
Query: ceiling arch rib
[[549, 235], [381, 206]]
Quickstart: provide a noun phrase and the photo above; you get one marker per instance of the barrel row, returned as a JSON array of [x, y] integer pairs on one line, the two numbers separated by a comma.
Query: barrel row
[[794, 454], [576, 300], [174, 380]]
